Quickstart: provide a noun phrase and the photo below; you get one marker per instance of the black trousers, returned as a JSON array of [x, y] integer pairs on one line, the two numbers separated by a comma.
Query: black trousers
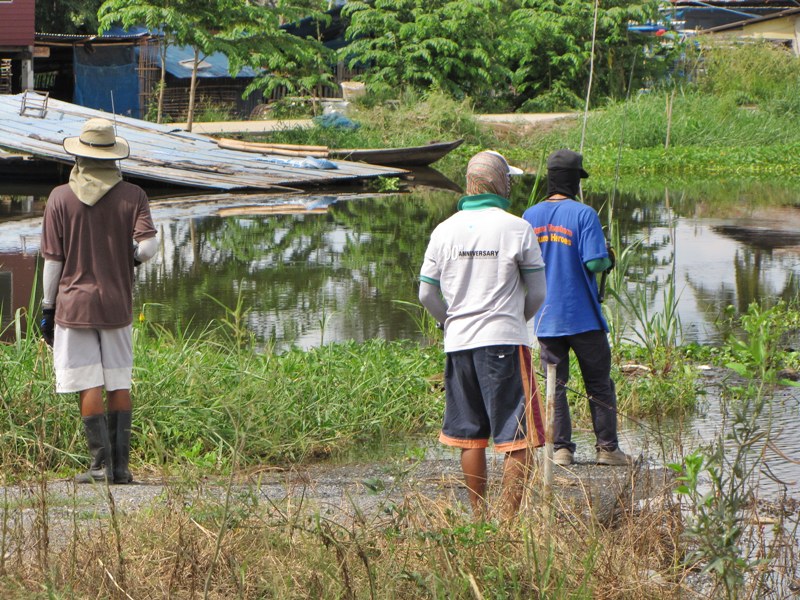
[[594, 359]]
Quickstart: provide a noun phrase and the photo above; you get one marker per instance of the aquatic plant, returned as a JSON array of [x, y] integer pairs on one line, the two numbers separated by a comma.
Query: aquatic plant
[[758, 349]]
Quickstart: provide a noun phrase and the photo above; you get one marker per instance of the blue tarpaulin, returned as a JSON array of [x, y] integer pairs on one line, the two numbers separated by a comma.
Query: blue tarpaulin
[[106, 79]]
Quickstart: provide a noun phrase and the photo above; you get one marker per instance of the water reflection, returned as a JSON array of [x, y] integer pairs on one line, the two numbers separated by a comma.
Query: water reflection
[[311, 269], [725, 247]]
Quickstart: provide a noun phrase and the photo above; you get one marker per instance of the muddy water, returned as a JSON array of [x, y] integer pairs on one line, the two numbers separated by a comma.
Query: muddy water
[[325, 267]]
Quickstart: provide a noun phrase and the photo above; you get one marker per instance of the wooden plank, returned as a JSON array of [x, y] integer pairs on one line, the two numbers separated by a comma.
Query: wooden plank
[[275, 209], [261, 148]]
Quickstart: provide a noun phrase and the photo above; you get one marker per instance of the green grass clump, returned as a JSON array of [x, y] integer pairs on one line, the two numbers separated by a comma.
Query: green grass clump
[[412, 120], [196, 399]]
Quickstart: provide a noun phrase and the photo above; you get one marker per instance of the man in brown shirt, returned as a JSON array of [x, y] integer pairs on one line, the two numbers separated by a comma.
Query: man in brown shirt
[[95, 230]]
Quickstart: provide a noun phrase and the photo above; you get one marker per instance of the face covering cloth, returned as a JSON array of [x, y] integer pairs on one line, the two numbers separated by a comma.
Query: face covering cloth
[[566, 182], [90, 178]]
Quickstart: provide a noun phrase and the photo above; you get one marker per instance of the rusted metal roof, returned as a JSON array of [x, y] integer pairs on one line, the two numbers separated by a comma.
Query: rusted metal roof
[[166, 153]]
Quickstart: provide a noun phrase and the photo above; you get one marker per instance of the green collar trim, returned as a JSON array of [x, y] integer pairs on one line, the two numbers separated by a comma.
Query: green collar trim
[[480, 201]]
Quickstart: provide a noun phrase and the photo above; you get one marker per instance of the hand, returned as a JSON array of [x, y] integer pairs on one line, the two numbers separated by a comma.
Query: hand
[[48, 325], [612, 256]]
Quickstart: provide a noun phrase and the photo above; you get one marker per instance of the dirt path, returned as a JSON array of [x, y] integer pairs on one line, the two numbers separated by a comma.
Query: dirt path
[[340, 492], [501, 122]]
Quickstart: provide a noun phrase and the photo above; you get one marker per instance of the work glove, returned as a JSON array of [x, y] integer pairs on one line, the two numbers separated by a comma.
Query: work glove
[[612, 256], [48, 325]]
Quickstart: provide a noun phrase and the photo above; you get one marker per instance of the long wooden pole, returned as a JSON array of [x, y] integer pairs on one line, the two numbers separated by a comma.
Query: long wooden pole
[[548, 430], [548, 458], [670, 100]]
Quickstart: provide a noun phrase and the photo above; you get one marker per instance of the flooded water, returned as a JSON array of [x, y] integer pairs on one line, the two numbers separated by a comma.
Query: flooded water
[[313, 269]]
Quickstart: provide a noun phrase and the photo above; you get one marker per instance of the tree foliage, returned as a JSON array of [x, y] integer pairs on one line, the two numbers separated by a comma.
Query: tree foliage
[[550, 48], [247, 33], [442, 44], [253, 36], [67, 16], [497, 52]]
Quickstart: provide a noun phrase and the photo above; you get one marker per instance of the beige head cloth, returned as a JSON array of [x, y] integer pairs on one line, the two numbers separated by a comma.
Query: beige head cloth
[[489, 173]]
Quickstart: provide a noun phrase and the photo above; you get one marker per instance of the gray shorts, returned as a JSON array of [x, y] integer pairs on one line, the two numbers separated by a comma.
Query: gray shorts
[[90, 358], [491, 393]]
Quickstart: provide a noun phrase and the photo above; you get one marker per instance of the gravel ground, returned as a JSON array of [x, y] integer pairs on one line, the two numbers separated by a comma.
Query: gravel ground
[[338, 491]]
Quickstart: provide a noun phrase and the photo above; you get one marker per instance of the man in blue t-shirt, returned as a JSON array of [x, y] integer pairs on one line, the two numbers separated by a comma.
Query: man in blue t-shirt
[[574, 251]]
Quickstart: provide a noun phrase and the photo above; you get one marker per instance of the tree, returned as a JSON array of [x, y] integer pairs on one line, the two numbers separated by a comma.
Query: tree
[[67, 16], [497, 52], [549, 46], [253, 36], [451, 45], [248, 34], [169, 17]]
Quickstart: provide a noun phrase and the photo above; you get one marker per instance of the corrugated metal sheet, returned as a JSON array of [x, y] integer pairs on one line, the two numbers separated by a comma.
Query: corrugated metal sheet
[[167, 154], [214, 66]]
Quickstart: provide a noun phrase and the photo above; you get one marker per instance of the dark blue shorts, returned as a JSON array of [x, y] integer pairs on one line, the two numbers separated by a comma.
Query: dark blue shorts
[[491, 393]]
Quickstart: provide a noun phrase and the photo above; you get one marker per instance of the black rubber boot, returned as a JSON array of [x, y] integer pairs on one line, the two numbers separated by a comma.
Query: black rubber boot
[[96, 432], [119, 432]]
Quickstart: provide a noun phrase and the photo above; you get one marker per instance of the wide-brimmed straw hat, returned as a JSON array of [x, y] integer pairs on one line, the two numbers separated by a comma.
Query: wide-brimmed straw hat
[[97, 140]]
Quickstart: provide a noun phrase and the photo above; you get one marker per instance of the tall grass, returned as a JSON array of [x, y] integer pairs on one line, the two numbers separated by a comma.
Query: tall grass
[[736, 115], [193, 394], [213, 402], [248, 545], [412, 121]]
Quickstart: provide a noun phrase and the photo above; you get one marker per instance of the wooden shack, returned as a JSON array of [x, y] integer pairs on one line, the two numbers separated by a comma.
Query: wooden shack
[[16, 45], [781, 28]]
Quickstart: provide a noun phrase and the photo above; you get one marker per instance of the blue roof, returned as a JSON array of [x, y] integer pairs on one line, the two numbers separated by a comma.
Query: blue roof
[[180, 58]]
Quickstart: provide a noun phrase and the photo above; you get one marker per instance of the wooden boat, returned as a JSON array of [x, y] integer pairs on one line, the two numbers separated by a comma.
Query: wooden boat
[[413, 156], [408, 156]]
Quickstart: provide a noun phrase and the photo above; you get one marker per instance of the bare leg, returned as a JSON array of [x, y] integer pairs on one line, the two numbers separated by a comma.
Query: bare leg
[[91, 402], [119, 400], [515, 474], [473, 464]]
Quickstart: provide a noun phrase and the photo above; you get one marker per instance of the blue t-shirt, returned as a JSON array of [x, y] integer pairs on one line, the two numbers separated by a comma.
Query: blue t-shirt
[[570, 235]]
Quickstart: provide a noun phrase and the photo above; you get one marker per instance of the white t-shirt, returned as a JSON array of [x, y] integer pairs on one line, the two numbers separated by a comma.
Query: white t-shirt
[[476, 257]]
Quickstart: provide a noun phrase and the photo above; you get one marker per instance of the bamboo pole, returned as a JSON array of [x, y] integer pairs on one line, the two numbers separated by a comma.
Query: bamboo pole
[[271, 145], [670, 100], [259, 148], [549, 426]]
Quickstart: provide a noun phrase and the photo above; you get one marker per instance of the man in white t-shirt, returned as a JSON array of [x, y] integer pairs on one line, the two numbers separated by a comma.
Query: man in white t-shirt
[[483, 279]]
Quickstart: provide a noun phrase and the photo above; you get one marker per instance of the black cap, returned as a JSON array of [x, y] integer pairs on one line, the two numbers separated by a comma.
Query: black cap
[[567, 159]]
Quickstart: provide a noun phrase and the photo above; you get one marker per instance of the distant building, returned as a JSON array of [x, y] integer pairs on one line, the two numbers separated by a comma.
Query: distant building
[[781, 28], [217, 87], [113, 72], [16, 45], [691, 15]]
